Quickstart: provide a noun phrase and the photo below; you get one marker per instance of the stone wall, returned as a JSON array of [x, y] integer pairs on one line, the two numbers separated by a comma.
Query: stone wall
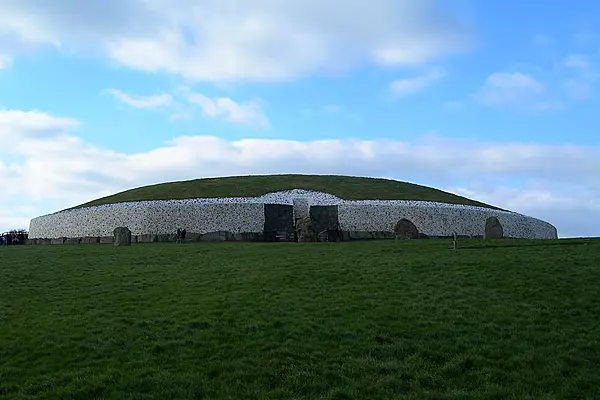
[[246, 217], [439, 221], [150, 218]]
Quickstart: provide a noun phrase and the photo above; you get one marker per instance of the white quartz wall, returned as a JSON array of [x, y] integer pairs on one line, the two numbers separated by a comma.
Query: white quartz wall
[[440, 220], [150, 218], [246, 214]]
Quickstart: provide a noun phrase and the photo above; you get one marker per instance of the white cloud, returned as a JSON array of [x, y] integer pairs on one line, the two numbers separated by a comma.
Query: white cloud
[[248, 113], [5, 61], [582, 78], [144, 102], [501, 87], [327, 109], [28, 123], [578, 89], [576, 61], [407, 86], [453, 105], [516, 89], [331, 108], [180, 116], [240, 40], [48, 167], [574, 214]]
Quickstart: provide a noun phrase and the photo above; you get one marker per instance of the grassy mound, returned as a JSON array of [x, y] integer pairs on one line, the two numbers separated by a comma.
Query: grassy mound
[[345, 187], [367, 320]]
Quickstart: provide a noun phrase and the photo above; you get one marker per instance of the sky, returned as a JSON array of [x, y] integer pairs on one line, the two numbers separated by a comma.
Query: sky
[[495, 100]]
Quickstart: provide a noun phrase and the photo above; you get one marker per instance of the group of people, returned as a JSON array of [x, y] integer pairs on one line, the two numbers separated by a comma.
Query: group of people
[[180, 235], [12, 238]]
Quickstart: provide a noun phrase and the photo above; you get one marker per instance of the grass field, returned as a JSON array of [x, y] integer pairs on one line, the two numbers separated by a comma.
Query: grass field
[[345, 187], [357, 320]]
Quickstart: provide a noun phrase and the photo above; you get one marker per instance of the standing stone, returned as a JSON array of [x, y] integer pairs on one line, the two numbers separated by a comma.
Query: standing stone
[[279, 222], [122, 236], [305, 230], [405, 229], [493, 228], [324, 220], [301, 208]]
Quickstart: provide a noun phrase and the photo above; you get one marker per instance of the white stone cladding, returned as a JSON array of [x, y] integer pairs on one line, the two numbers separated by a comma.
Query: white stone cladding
[[163, 217], [246, 214], [440, 220]]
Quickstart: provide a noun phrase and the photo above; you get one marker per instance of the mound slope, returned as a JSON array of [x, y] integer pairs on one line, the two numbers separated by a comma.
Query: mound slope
[[344, 187]]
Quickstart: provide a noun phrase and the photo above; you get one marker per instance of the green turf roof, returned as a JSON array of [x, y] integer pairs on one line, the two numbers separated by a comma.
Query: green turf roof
[[345, 187]]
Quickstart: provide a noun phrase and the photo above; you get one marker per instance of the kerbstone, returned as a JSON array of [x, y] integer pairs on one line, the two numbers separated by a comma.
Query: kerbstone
[[493, 228], [405, 229], [122, 236]]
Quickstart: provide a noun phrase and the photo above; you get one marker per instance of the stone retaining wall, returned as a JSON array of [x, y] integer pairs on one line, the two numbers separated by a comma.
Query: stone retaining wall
[[272, 217], [440, 221], [150, 219]]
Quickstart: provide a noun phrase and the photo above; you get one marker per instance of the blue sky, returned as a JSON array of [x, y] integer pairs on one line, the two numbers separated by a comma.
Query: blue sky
[[492, 100]]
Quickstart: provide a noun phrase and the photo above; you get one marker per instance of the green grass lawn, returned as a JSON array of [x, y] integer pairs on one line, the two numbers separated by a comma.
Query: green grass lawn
[[345, 187], [357, 320]]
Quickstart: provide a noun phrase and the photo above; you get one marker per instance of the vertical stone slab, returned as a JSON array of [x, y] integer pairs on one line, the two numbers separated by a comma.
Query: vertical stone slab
[[122, 236], [279, 222], [301, 208], [325, 222], [405, 229], [493, 228]]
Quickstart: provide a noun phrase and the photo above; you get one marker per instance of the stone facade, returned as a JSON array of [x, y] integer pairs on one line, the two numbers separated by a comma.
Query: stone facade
[[272, 217], [440, 220]]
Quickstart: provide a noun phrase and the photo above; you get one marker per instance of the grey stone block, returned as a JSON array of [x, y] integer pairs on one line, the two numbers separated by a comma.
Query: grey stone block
[[324, 218], [122, 236], [405, 229], [493, 228], [279, 222]]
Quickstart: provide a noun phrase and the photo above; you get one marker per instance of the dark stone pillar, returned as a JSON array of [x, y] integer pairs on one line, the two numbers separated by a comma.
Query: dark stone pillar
[[279, 222], [405, 229], [326, 223], [493, 228]]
